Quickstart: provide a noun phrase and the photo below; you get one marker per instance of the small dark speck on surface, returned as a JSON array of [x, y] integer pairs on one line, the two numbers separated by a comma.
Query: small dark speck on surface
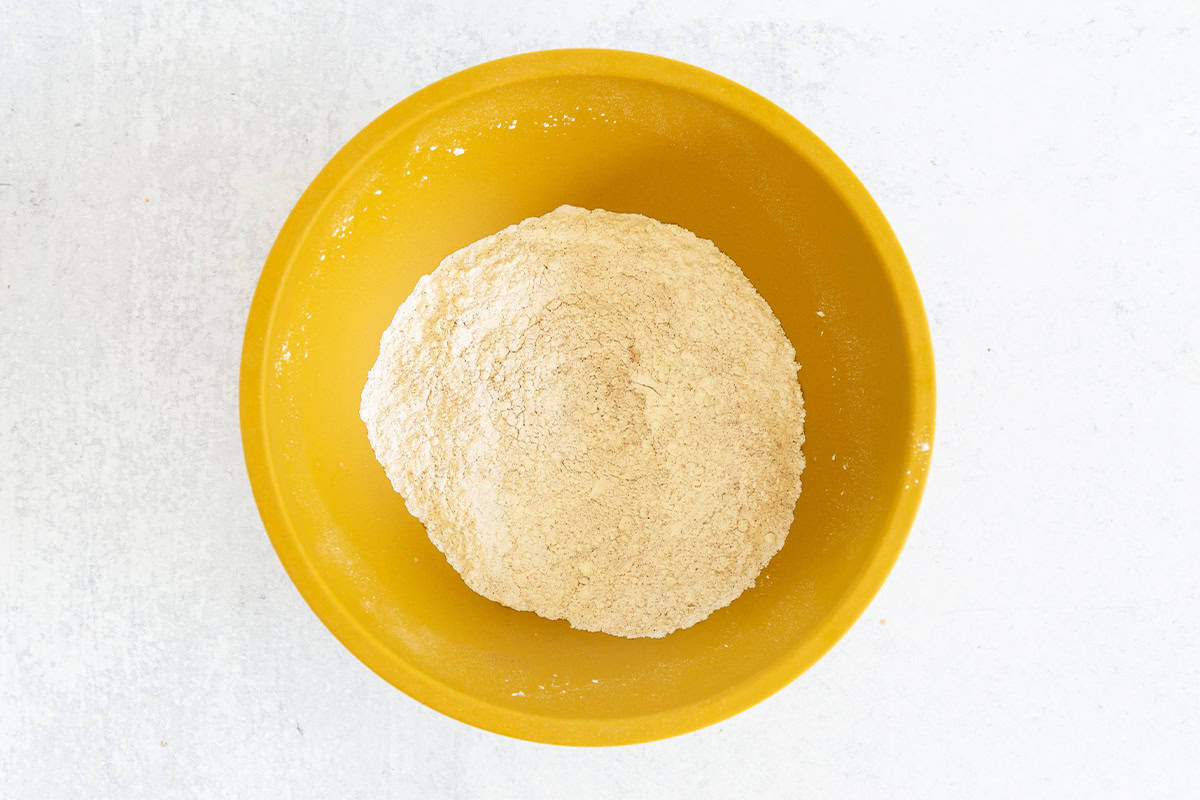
[[298, 728]]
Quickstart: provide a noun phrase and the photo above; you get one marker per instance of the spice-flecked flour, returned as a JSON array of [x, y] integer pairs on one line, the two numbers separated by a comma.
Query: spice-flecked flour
[[596, 417]]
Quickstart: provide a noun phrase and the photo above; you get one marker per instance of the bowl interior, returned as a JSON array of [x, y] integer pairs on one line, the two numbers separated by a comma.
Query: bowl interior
[[462, 160]]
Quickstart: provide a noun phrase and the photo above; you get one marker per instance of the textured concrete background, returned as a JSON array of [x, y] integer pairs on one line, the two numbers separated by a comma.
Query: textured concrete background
[[1040, 163]]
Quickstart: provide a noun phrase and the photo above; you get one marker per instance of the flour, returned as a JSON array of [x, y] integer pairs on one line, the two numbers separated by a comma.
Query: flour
[[596, 417]]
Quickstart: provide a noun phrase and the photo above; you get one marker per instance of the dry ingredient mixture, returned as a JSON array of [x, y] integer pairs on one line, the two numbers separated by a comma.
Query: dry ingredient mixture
[[596, 417]]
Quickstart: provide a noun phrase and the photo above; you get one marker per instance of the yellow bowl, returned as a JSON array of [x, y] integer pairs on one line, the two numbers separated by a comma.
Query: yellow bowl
[[515, 138]]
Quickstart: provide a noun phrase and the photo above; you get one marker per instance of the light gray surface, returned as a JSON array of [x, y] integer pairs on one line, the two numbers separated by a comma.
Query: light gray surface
[[1040, 166]]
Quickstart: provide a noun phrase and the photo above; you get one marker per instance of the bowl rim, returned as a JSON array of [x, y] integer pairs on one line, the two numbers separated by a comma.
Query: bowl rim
[[427, 688]]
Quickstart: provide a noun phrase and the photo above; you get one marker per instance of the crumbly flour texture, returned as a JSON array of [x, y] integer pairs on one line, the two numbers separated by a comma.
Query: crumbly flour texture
[[596, 417]]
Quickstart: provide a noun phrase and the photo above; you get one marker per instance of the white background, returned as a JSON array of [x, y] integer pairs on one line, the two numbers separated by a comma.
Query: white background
[[1040, 636]]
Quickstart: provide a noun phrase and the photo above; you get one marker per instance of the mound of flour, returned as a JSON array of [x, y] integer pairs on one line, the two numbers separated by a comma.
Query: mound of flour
[[597, 419]]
